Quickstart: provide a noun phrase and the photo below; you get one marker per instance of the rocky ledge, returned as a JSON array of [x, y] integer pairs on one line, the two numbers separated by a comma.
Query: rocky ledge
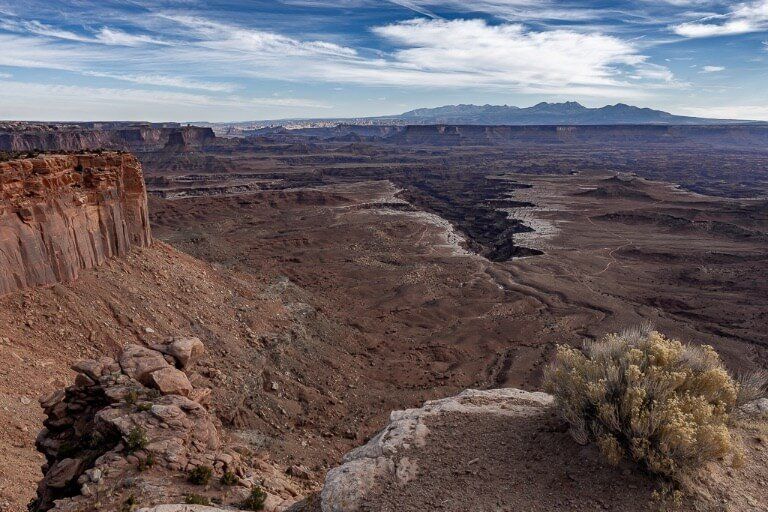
[[507, 449], [60, 214], [134, 431]]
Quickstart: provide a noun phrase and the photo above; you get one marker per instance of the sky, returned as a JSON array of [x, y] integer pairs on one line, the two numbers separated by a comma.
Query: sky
[[227, 60]]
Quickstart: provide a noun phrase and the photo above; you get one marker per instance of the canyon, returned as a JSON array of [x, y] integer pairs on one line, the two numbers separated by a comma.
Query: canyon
[[336, 276]]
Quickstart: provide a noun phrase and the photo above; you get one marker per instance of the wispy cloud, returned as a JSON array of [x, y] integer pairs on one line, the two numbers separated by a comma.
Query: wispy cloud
[[742, 18], [509, 9], [225, 37], [165, 81], [426, 52], [415, 7], [104, 35], [44, 101], [207, 55], [757, 112], [472, 52]]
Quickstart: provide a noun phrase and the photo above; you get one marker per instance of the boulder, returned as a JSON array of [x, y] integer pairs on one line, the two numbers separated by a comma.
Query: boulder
[[63, 473], [186, 351], [757, 407], [170, 381], [90, 368], [140, 362]]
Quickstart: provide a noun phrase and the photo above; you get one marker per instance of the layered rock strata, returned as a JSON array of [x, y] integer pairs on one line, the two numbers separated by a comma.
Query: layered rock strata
[[60, 214], [21, 136]]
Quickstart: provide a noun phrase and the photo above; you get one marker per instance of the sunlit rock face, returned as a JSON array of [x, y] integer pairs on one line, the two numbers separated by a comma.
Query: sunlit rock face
[[60, 214]]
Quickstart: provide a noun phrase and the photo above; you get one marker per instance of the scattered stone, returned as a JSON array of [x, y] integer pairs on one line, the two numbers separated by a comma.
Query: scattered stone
[[299, 472]]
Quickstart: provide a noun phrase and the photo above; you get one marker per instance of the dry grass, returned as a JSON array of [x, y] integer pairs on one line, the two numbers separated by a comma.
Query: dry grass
[[641, 396]]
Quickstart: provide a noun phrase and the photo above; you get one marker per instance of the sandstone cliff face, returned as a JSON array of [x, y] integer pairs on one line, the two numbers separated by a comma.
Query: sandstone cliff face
[[25, 137], [60, 214]]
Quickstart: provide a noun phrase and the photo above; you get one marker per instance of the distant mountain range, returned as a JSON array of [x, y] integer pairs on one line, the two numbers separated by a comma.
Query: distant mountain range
[[544, 113], [568, 113]]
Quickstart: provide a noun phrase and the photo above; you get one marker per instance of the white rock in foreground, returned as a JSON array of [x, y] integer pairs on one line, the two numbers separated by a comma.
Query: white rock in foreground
[[381, 459]]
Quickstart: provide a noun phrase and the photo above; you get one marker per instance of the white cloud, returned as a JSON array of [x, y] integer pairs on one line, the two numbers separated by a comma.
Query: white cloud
[[32, 52], [508, 9], [220, 36], [742, 18], [464, 53], [166, 81], [746, 112], [41, 29], [110, 36], [712, 69], [105, 35], [23, 100], [472, 52]]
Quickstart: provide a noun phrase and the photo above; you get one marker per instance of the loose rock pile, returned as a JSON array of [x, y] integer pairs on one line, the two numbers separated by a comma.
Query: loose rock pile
[[130, 431]]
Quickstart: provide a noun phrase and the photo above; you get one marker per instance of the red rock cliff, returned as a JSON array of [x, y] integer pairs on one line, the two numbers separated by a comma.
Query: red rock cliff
[[63, 213]]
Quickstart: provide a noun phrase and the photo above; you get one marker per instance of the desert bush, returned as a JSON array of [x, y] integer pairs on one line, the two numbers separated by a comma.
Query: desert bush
[[144, 406], [201, 475], [129, 505], [148, 462], [641, 396], [752, 385], [255, 500], [228, 478], [196, 499], [136, 440]]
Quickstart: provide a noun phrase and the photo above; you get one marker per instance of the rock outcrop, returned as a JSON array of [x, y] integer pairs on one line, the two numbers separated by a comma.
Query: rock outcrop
[[506, 449], [120, 438], [60, 214], [19, 136]]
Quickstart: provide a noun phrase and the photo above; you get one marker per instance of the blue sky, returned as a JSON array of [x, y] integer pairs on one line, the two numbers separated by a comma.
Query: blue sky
[[222, 60]]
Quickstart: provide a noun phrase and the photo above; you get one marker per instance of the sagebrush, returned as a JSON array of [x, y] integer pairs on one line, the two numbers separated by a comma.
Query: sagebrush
[[641, 396]]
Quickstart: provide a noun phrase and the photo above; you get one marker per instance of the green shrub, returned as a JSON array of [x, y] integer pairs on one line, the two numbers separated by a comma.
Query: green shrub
[[129, 504], [196, 499], [201, 475], [132, 396], [641, 396], [148, 462], [137, 439], [144, 406], [255, 501], [228, 478]]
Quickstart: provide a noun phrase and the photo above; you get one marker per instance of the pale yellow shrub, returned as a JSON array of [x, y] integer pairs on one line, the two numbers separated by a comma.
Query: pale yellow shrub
[[644, 397]]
